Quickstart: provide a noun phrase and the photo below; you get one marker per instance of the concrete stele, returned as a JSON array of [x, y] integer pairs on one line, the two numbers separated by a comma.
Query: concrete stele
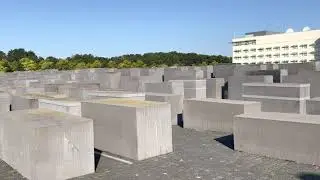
[[133, 129], [45, 144], [215, 114], [279, 135]]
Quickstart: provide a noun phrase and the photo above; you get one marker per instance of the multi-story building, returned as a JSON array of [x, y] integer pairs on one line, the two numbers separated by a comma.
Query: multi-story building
[[274, 47]]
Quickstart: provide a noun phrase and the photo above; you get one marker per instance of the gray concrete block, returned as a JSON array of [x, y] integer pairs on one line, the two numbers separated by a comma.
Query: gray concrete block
[[313, 106], [214, 88], [293, 90], [65, 105], [115, 94], [171, 87], [215, 114], [5, 101], [44, 144], [176, 74], [130, 128], [279, 135], [279, 104], [23, 102], [175, 100], [235, 89], [199, 93]]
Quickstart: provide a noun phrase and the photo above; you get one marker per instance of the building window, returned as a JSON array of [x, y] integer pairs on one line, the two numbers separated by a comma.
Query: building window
[[285, 55], [253, 50], [268, 49], [237, 51], [285, 62], [304, 46], [246, 50], [277, 55], [253, 57], [276, 48], [285, 48], [260, 49], [304, 54], [294, 46], [269, 55]]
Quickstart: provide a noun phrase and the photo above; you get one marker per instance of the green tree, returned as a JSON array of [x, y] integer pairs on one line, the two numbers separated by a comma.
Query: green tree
[[45, 64], [81, 65], [125, 64], [4, 66], [3, 55], [95, 64], [28, 64], [138, 64], [62, 64], [17, 54], [111, 64]]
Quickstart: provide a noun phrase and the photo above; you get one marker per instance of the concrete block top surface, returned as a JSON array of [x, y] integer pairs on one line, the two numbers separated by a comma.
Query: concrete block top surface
[[275, 97], [276, 84], [61, 101], [161, 94], [315, 99], [43, 95], [115, 94], [226, 101], [42, 118], [286, 117], [127, 102]]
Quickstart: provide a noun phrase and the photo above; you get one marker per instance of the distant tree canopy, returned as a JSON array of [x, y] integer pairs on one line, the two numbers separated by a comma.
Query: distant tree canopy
[[23, 60]]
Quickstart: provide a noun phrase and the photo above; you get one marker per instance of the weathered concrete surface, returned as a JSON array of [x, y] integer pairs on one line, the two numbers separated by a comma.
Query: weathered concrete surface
[[5, 101], [214, 88], [235, 89], [24, 102], [278, 97], [215, 114], [195, 89], [171, 87], [313, 106], [65, 105], [175, 100], [115, 94], [45, 144], [130, 128], [275, 135]]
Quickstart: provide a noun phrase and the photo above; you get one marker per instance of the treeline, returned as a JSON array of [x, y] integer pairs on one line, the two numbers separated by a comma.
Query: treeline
[[23, 60]]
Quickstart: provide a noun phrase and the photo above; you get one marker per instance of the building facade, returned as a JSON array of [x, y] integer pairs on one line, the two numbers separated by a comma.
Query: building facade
[[265, 47]]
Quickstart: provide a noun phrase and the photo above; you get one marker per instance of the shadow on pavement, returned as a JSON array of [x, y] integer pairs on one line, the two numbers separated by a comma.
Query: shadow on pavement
[[227, 141], [309, 176]]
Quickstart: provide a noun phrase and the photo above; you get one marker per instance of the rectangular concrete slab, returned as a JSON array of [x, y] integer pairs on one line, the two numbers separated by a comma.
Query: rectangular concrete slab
[[133, 129], [175, 100], [277, 89], [5, 101], [214, 88], [215, 114], [313, 106], [279, 135], [45, 144], [66, 105]]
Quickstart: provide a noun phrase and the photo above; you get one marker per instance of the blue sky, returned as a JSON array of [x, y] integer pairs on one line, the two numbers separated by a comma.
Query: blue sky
[[115, 27]]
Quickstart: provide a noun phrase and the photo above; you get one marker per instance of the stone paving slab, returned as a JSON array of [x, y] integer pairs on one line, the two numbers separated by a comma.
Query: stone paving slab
[[198, 155]]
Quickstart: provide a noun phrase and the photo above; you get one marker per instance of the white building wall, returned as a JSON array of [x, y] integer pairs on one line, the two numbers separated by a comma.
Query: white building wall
[[282, 48]]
